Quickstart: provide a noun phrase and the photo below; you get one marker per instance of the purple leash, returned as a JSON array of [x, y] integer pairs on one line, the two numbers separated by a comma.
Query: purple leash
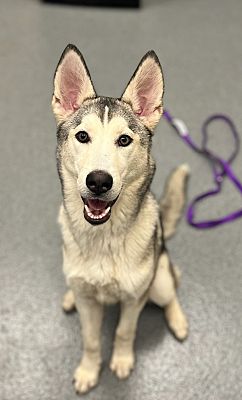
[[221, 168]]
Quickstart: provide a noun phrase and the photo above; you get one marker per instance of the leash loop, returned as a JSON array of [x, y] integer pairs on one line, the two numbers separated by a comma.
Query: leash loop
[[221, 168]]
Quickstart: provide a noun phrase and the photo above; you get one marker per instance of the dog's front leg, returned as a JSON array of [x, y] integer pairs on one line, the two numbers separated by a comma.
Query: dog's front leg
[[91, 315], [122, 361]]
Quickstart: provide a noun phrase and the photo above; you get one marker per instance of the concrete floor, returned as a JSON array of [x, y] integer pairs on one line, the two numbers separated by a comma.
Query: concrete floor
[[199, 45]]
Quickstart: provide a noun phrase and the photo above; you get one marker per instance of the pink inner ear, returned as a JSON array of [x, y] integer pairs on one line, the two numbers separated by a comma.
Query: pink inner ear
[[148, 91], [145, 107], [70, 83]]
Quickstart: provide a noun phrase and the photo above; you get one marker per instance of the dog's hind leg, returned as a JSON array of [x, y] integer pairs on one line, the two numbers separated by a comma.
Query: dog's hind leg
[[163, 293], [68, 303], [176, 319]]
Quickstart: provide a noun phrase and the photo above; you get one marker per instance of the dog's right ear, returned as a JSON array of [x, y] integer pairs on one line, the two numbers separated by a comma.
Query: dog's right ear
[[72, 84]]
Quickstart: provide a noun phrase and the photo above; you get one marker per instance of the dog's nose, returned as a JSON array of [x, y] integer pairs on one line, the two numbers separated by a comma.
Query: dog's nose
[[99, 182]]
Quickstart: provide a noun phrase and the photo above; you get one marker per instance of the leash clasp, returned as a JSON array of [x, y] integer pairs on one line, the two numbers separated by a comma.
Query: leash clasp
[[180, 126]]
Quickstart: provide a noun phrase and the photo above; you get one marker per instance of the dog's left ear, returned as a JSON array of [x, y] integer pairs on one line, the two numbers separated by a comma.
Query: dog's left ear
[[145, 90], [72, 84]]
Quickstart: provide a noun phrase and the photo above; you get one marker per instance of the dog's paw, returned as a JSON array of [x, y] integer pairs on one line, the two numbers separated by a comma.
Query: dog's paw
[[68, 303], [122, 365], [179, 327], [85, 379]]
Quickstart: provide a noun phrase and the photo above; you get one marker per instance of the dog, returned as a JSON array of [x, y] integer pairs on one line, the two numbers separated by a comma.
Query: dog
[[113, 228]]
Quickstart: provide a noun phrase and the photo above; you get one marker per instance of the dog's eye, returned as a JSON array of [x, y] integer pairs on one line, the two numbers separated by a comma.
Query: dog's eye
[[82, 137], [124, 140]]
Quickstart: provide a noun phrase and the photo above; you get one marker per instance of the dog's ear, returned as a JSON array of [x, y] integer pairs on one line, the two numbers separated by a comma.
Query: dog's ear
[[145, 90], [72, 84]]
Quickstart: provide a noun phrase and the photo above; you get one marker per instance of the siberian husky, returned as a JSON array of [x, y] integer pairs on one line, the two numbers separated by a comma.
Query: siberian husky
[[113, 228]]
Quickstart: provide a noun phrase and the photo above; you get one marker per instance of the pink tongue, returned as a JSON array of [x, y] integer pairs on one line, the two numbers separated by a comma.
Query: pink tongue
[[97, 205]]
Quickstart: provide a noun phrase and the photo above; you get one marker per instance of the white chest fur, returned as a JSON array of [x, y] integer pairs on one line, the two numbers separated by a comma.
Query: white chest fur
[[110, 262]]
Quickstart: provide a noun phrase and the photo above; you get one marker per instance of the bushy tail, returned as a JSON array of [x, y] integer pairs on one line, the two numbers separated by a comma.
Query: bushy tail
[[173, 199]]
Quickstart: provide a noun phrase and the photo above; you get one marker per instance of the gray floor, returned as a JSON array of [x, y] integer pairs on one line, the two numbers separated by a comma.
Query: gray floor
[[199, 44]]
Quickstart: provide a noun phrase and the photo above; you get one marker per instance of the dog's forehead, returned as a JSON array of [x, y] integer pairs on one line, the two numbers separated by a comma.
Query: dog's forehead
[[93, 124], [108, 108], [112, 112], [108, 113]]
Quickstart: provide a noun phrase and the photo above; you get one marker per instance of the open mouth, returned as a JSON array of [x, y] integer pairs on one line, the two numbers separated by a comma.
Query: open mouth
[[97, 211]]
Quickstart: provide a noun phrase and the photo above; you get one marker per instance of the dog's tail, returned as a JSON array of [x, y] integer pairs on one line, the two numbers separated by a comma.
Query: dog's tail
[[173, 199]]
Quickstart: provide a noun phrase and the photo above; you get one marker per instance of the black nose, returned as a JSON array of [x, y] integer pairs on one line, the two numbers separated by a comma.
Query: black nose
[[99, 182]]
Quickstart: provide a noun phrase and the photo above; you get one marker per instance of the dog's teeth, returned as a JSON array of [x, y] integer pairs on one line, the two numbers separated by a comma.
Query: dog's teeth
[[100, 216]]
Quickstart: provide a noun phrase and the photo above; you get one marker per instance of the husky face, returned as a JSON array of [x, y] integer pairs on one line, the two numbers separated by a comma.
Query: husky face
[[104, 142]]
